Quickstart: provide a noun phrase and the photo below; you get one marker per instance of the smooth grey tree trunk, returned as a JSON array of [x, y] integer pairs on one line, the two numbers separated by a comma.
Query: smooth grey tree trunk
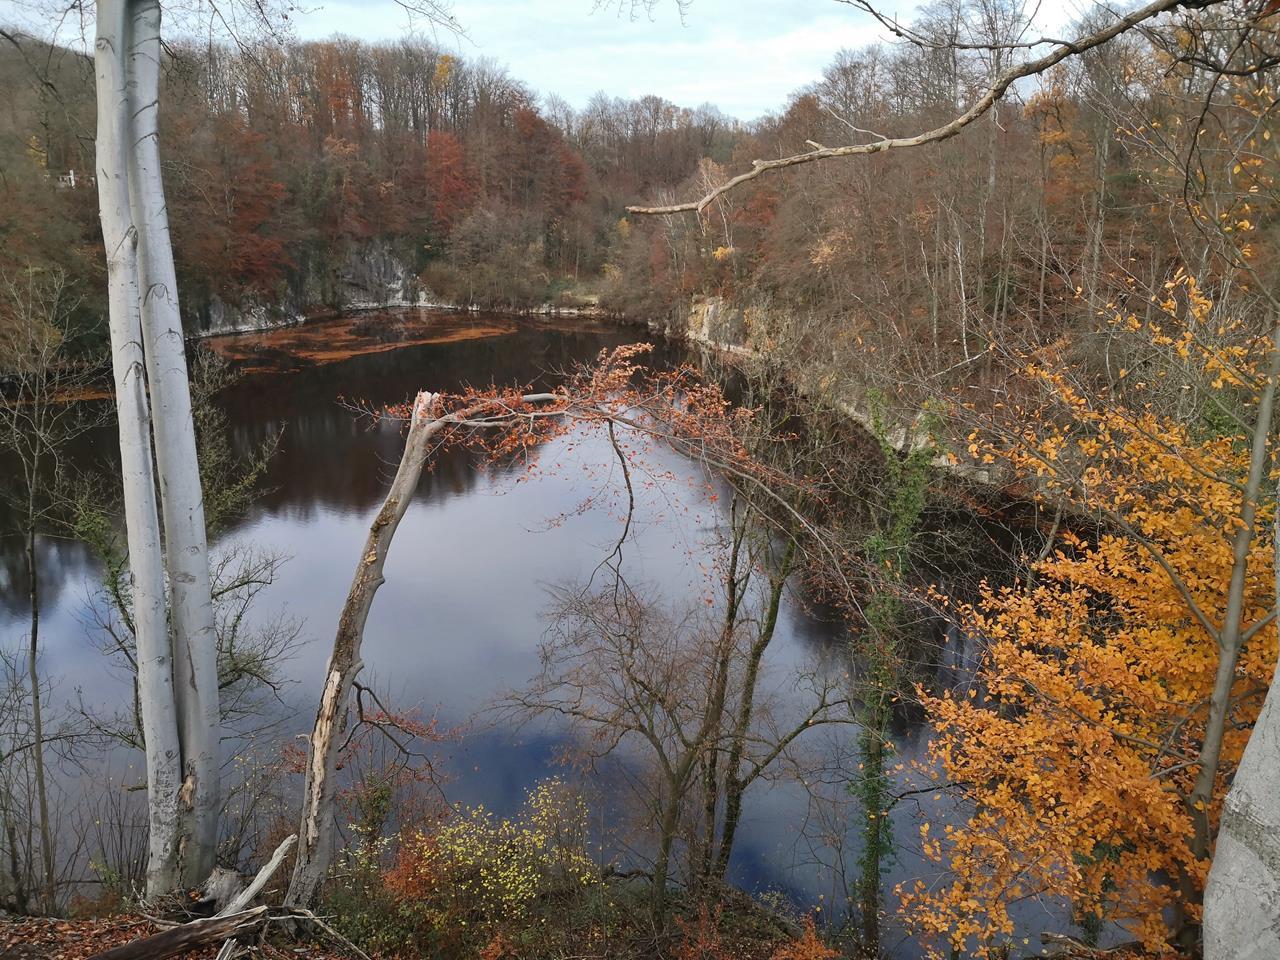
[[146, 570], [1242, 898], [195, 650]]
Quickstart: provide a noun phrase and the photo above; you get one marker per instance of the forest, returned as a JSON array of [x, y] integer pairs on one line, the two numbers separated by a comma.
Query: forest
[[850, 532]]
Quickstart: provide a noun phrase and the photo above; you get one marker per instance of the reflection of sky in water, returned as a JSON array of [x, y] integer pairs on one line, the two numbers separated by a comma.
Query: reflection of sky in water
[[459, 619]]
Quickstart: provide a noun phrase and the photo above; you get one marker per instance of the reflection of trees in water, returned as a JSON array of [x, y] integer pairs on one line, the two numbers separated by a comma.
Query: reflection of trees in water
[[58, 564], [328, 458], [58, 561]]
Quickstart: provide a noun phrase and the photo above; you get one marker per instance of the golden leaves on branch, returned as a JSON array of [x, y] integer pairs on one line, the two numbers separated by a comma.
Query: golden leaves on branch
[[1079, 760]]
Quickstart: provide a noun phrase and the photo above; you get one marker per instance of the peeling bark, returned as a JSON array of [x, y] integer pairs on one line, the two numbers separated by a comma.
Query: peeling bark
[[315, 834]]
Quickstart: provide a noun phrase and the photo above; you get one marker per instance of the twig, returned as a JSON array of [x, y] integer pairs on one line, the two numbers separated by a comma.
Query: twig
[[298, 913], [948, 130]]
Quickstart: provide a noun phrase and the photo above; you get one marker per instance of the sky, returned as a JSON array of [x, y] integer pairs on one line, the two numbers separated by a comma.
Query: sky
[[744, 56]]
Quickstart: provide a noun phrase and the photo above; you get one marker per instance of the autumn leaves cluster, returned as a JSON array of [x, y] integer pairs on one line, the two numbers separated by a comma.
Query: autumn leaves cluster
[[1077, 752]]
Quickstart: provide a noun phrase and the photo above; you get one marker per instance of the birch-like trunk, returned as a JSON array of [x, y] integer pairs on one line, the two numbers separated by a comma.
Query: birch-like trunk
[[1242, 898], [146, 570], [315, 836], [195, 651]]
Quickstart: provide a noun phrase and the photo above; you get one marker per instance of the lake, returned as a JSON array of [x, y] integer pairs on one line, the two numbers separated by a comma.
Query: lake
[[461, 616]]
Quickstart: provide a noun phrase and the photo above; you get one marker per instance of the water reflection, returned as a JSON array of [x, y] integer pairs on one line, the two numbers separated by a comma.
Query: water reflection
[[459, 619]]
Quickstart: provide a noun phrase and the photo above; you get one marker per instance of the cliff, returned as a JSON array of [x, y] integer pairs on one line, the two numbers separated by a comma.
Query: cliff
[[370, 276]]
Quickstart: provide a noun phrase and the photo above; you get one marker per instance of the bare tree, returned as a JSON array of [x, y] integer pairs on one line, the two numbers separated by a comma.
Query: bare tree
[[178, 675], [680, 692], [675, 408], [999, 86], [186, 552], [38, 417], [160, 717]]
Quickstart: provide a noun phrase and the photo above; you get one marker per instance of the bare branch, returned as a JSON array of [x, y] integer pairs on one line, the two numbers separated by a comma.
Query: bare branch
[[998, 88]]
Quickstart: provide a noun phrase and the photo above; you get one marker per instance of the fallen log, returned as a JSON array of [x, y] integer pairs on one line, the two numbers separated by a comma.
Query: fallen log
[[197, 933], [245, 897], [226, 926]]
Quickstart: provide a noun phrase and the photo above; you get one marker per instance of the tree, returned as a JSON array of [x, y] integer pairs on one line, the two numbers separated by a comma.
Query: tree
[[1243, 888], [38, 417], [681, 687], [675, 408], [897, 509], [1000, 84], [178, 678], [178, 672], [1121, 682], [250, 647], [450, 183]]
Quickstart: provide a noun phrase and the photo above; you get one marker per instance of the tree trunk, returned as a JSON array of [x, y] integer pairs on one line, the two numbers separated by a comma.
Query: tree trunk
[[47, 893], [315, 836], [1242, 898], [1098, 227], [195, 648], [736, 782], [180, 939], [146, 575], [715, 708], [1231, 635], [662, 862]]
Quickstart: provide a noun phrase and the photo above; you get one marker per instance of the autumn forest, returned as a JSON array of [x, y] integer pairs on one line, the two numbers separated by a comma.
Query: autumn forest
[[441, 519]]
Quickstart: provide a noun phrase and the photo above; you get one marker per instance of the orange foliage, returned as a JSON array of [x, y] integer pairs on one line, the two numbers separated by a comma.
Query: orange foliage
[[451, 183], [410, 879], [700, 938], [809, 947], [499, 948], [1079, 763], [676, 408]]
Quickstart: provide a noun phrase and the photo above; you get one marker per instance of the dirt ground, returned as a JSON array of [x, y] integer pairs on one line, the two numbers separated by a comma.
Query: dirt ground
[[39, 938]]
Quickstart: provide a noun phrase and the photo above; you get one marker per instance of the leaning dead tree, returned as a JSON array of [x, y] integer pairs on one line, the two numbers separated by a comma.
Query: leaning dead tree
[[999, 86], [316, 848], [169, 567], [673, 408]]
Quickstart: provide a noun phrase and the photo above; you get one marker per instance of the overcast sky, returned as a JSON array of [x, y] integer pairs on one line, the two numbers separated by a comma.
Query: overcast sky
[[744, 56]]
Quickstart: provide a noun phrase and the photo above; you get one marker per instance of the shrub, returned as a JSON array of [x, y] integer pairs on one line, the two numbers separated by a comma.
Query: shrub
[[478, 869], [809, 946]]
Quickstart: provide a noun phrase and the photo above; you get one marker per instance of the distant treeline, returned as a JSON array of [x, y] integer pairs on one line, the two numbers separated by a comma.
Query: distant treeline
[[281, 162]]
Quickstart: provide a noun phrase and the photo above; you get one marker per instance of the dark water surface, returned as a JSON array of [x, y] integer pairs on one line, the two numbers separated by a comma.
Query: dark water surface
[[461, 615]]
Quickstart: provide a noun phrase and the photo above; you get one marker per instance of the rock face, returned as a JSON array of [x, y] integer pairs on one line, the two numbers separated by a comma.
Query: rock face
[[375, 277], [712, 322], [218, 317], [369, 277], [716, 323], [726, 328]]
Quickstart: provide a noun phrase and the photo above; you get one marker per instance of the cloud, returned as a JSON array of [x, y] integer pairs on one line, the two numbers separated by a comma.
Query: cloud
[[745, 57]]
